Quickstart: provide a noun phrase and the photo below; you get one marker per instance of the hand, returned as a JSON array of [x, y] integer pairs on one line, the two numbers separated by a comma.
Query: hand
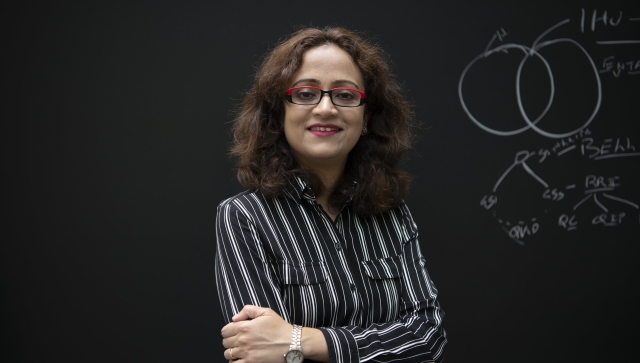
[[257, 334]]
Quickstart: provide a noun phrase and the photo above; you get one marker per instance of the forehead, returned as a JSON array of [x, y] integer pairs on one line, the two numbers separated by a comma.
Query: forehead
[[328, 64]]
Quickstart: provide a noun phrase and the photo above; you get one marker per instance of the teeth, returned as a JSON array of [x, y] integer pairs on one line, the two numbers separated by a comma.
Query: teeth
[[324, 129]]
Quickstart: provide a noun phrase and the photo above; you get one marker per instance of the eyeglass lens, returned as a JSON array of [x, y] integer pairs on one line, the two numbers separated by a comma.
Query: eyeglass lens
[[312, 96]]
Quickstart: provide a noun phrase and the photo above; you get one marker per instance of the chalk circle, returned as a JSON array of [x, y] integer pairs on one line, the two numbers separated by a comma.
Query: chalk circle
[[532, 124], [530, 52], [527, 51]]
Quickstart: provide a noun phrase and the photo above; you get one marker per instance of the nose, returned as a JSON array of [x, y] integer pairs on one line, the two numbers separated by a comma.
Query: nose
[[325, 108]]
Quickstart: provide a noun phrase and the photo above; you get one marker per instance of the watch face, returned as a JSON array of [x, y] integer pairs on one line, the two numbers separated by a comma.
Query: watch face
[[294, 356]]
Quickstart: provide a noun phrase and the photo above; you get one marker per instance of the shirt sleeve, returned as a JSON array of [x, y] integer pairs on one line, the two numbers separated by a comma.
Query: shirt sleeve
[[244, 275], [416, 336]]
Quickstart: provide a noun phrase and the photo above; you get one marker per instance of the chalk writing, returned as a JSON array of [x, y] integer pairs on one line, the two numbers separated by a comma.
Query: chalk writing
[[528, 53], [600, 190], [590, 21], [574, 199], [569, 223], [599, 18], [618, 67]]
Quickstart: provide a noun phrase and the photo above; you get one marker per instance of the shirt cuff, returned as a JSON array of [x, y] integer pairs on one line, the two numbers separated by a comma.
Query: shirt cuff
[[341, 344]]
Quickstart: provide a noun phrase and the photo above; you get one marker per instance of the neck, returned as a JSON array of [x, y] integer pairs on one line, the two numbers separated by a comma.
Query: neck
[[329, 177], [329, 173]]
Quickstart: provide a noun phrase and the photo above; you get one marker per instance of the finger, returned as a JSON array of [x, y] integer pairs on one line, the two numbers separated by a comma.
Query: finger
[[230, 342], [233, 354], [250, 312], [229, 330], [227, 355]]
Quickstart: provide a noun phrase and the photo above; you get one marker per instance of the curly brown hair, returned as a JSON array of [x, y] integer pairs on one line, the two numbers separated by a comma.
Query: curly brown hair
[[265, 162]]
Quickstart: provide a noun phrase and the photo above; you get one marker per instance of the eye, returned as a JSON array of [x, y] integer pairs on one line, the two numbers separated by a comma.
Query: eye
[[305, 94], [345, 95]]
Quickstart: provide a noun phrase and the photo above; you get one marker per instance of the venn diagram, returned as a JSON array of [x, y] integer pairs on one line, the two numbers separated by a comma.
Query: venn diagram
[[527, 122]]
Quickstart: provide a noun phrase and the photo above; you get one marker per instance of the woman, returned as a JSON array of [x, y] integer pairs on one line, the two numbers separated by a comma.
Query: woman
[[322, 239]]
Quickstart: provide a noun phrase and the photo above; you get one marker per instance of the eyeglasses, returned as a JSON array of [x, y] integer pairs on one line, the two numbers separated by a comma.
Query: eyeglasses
[[309, 95]]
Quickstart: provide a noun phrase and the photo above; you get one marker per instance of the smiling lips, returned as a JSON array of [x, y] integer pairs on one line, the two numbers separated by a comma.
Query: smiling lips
[[324, 130]]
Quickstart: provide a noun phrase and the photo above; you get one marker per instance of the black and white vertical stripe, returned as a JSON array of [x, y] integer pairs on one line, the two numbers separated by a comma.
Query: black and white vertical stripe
[[362, 281]]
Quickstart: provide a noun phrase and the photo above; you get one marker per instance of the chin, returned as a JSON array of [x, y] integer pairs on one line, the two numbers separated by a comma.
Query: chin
[[323, 157]]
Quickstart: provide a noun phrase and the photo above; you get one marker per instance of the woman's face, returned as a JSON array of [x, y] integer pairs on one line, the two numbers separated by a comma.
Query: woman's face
[[323, 135]]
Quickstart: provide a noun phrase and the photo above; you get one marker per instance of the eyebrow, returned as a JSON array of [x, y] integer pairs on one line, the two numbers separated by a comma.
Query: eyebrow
[[313, 80]]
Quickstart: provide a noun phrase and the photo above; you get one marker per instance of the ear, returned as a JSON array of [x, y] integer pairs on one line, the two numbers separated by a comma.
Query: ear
[[364, 129]]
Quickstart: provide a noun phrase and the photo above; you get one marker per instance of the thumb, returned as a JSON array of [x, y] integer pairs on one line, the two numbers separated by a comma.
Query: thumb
[[250, 312]]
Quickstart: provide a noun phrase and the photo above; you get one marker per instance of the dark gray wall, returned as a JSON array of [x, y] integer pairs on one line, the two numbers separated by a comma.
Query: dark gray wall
[[116, 128]]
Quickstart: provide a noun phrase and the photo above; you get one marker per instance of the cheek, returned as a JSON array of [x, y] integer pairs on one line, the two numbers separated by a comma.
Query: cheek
[[288, 131], [293, 117], [355, 131], [358, 120], [292, 128]]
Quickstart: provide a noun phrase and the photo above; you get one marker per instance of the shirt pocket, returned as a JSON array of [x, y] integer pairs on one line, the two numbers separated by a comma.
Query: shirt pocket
[[301, 273], [303, 286], [383, 268], [384, 288]]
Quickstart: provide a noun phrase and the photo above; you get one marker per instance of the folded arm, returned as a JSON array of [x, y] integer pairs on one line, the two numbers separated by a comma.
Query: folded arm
[[245, 277]]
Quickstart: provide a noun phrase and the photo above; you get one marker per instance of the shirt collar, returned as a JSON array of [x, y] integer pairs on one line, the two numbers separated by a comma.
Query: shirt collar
[[300, 191]]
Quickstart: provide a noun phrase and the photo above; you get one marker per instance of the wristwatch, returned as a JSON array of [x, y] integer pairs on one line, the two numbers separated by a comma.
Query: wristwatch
[[294, 355]]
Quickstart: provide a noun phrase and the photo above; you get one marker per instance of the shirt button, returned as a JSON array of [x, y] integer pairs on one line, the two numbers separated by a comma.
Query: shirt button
[[352, 287], [338, 246]]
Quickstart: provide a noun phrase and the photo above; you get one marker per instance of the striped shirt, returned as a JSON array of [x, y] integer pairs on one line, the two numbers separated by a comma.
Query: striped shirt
[[361, 281]]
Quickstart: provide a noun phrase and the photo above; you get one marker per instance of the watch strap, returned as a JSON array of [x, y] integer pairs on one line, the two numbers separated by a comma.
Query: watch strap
[[296, 334]]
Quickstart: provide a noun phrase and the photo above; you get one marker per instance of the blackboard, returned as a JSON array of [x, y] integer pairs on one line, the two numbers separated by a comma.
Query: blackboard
[[526, 178]]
